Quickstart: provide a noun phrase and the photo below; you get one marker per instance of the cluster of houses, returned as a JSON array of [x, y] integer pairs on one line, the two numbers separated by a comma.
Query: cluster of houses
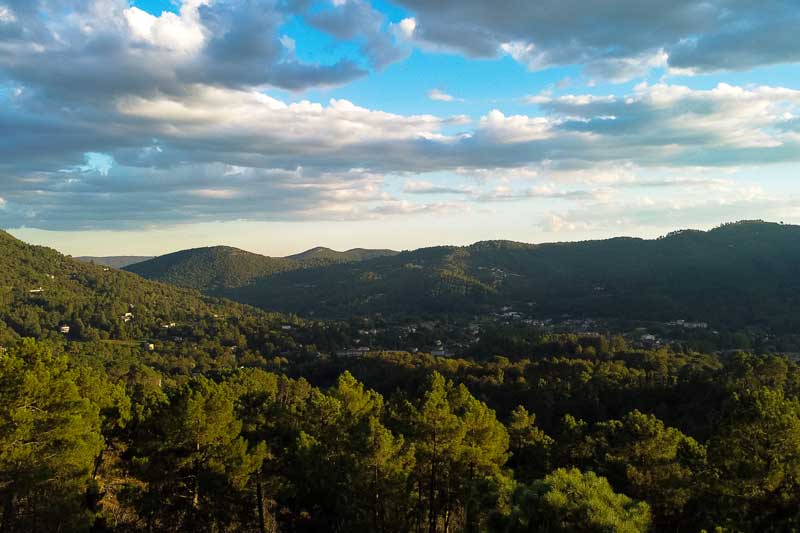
[[688, 325], [353, 352], [648, 340]]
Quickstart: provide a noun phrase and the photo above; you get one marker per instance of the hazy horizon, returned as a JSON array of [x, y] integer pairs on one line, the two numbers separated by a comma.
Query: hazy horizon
[[55, 241]]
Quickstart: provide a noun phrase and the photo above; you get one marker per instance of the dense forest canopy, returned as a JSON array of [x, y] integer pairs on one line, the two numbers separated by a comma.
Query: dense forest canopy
[[161, 409]]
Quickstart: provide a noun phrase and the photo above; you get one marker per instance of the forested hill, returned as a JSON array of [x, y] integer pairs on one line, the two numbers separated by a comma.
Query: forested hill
[[46, 295], [213, 268], [216, 268], [115, 261], [746, 273]]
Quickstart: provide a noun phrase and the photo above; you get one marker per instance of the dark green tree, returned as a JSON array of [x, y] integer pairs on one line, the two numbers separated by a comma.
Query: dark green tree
[[571, 501], [49, 440]]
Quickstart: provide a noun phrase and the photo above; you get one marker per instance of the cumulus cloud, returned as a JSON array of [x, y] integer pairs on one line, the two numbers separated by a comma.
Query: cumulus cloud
[[616, 40], [217, 154], [83, 49]]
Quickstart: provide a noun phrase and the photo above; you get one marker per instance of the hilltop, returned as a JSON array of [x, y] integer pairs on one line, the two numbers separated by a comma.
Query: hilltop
[[211, 269], [323, 256]]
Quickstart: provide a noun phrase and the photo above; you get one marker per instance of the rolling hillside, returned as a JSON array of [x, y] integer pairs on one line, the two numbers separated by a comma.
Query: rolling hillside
[[743, 273], [43, 291]]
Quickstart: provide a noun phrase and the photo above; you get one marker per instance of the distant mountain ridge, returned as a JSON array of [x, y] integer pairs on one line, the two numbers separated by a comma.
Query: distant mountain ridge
[[216, 269], [114, 261], [321, 255], [745, 273], [740, 273]]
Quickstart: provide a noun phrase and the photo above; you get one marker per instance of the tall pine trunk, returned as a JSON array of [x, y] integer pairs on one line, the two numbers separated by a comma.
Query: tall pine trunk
[[260, 495]]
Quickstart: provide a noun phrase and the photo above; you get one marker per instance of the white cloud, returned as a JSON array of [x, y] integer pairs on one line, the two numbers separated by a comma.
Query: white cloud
[[441, 96], [181, 33], [219, 194], [289, 44], [427, 187], [622, 69], [570, 99], [6, 16], [214, 113], [527, 54], [514, 128], [405, 28]]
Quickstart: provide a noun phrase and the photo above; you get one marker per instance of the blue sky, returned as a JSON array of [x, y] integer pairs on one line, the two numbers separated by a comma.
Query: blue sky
[[277, 125]]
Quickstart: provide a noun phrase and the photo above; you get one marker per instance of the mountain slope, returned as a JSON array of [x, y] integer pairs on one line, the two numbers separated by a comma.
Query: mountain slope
[[743, 273], [42, 290], [115, 261]]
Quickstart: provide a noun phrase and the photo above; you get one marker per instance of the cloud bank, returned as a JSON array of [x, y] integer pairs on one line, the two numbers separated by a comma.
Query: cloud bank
[[613, 39]]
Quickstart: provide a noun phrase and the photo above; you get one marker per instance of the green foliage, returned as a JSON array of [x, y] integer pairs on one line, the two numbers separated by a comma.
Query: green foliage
[[49, 440], [197, 465], [755, 460], [647, 460], [460, 451], [568, 500], [530, 446]]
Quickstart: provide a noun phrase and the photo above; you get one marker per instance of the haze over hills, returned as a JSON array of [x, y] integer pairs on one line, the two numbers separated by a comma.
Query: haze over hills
[[322, 256], [114, 261]]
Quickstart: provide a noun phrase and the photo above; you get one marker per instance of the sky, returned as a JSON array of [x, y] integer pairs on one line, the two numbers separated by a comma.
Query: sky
[[147, 126]]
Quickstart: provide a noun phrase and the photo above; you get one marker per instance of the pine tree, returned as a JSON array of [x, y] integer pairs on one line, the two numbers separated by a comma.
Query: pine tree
[[49, 440]]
